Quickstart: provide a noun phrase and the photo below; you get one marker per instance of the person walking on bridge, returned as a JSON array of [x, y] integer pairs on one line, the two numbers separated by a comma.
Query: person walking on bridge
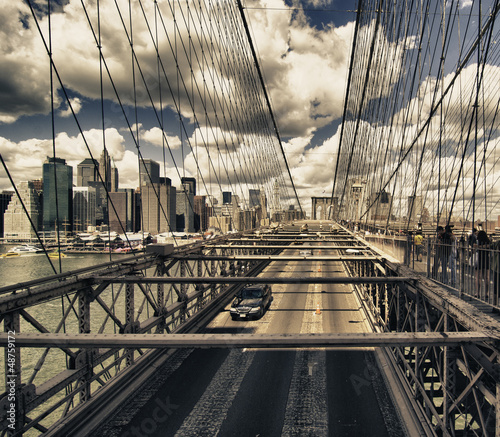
[[418, 242], [483, 263]]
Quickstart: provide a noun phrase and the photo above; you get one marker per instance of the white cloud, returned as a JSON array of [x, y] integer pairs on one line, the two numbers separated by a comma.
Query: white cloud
[[305, 68], [158, 138], [25, 158], [76, 105]]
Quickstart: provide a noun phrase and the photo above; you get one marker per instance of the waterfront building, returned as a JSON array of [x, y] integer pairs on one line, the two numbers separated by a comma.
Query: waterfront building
[[220, 222], [84, 208], [5, 198], [17, 225], [122, 215], [57, 195]]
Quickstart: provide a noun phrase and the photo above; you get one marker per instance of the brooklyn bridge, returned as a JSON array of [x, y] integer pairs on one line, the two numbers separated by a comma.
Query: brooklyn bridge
[[284, 218]]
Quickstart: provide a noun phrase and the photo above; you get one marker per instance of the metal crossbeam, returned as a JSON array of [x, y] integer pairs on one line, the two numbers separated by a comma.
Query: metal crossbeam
[[278, 257], [289, 246], [161, 341], [252, 280]]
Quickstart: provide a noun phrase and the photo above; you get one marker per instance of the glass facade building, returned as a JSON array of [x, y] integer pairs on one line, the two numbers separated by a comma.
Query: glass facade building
[[57, 195]]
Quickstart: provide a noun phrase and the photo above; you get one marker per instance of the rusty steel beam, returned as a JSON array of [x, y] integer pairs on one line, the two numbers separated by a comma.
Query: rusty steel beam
[[161, 341]]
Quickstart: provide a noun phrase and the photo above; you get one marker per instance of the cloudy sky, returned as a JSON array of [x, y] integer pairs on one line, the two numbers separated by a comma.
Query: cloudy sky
[[303, 54]]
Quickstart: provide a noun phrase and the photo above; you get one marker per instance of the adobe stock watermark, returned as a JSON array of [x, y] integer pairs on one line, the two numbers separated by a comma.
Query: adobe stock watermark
[[10, 353], [160, 413], [359, 382]]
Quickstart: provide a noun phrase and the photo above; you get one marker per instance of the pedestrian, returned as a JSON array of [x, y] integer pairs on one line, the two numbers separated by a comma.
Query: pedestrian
[[418, 242], [483, 263], [495, 270], [437, 252], [451, 242]]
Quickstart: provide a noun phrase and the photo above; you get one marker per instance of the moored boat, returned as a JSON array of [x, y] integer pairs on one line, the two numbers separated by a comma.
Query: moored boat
[[10, 255], [26, 248]]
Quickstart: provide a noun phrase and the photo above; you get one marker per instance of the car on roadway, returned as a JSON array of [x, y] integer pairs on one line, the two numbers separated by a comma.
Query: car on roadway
[[305, 252], [251, 302]]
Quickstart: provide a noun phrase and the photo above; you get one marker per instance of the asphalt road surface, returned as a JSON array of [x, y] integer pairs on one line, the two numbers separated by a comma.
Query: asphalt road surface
[[235, 392]]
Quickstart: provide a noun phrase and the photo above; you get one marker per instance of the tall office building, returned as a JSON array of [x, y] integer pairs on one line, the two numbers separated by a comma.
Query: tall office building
[[184, 208], [84, 208], [92, 173], [191, 182], [87, 171], [122, 214], [105, 168], [200, 213], [149, 172], [5, 198], [17, 224], [226, 197], [114, 179], [57, 191], [158, 208], [263, 203], [254, 198]]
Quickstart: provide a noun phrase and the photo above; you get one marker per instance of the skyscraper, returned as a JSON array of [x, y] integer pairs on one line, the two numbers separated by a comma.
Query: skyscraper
[[158, 208], [16, 224], [5, 198], [57, 195], [254, 198], [200, 213], [184, 208], [226, 197], [87, 171], [84, 208], [105, 168], [191, 182], [149, 172]]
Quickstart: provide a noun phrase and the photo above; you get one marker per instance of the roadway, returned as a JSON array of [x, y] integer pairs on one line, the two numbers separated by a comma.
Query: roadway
[[234, 392]]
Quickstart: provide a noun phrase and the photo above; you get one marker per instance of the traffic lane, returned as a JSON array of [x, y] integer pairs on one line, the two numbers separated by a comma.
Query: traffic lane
[[355, 387], [174, 398], [260, 404], [353, 407], [164, 412]]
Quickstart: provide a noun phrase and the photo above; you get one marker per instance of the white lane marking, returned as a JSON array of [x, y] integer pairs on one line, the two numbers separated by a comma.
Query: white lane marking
[[306, 410], [211, 409]]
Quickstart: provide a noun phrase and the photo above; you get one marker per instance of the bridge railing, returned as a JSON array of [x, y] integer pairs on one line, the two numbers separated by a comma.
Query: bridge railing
[[455, 388], [472, 271]]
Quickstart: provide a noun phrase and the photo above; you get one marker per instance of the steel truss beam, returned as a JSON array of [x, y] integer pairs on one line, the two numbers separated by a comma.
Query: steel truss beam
[[253, 280], [293, 246], [281, 258], [455, 387], [163, 341], [101, 306]]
